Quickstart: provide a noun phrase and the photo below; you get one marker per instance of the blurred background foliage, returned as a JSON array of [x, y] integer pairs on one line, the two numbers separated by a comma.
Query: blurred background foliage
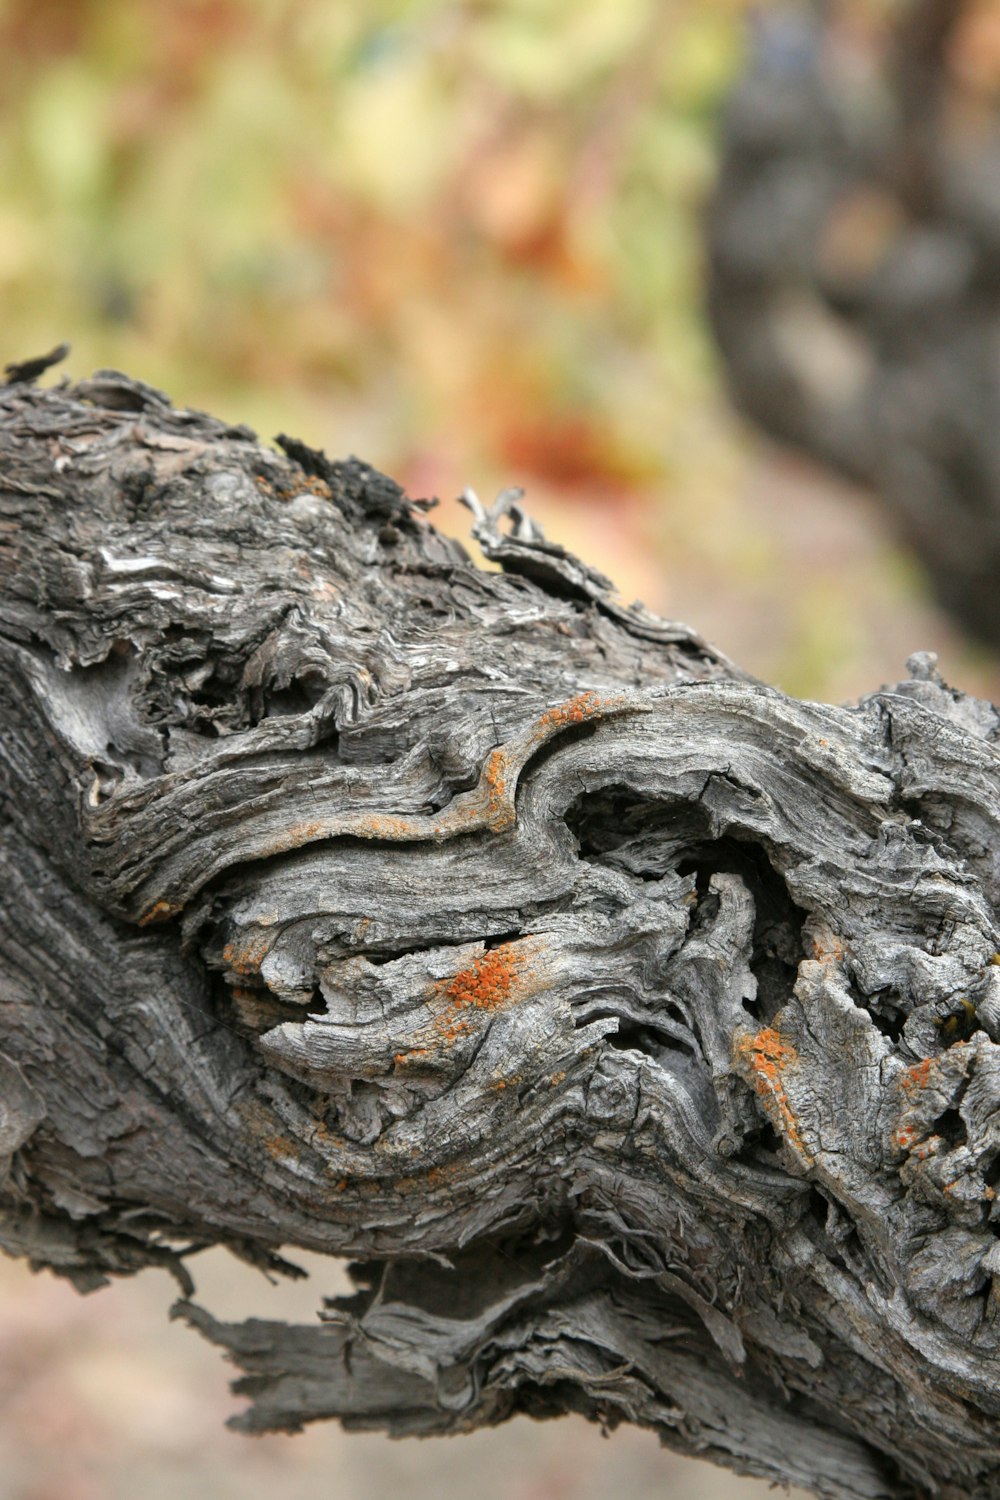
[[461, 238], [440, 232]]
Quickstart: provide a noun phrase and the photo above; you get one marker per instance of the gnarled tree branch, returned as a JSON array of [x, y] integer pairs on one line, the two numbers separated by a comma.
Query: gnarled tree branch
[[633, 1027]]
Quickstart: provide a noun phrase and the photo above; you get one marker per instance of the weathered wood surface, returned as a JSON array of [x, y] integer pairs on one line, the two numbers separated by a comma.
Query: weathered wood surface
[[634, 1027], [852, 246]]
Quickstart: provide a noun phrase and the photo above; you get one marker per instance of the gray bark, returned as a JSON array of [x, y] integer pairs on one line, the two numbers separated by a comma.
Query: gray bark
[[633, 1027]]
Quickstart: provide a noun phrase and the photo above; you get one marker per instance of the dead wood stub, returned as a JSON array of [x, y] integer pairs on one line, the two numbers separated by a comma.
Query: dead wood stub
[[633, 1027]]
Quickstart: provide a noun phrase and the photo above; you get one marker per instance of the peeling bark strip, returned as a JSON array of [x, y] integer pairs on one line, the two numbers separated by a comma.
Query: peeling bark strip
[[634, 1027]]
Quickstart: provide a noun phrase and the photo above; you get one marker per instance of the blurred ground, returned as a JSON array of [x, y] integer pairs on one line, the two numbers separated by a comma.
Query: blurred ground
[[102, 1399], [462, 241]]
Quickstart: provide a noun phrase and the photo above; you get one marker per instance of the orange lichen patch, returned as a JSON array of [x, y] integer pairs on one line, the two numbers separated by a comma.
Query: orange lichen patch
[[499, 776], [434, 1178], [916, 1077], [766, 1056], [915, 1143], [495, 772], [290, 487], [487, 982], [386, 826], [500, 770], [279, 1147], [324, 589], [828, 948], [160, 911], [490, 982], [500, 1084], [496, 779], [300, 832], [405, 1059], [293, 837], [575, 711], [246, 961], [389, 826], [450, 1029], [315, 486], [323, 1138]]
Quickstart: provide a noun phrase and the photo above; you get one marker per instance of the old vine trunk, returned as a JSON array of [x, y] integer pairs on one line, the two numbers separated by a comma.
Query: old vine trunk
[[632, 1026]]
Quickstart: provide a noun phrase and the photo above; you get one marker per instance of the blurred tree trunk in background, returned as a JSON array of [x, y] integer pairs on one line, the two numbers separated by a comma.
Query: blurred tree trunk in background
[[633, 1027], [854, 256]]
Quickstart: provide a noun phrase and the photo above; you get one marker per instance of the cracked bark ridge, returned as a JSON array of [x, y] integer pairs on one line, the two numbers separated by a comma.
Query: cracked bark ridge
[[632, 1027]]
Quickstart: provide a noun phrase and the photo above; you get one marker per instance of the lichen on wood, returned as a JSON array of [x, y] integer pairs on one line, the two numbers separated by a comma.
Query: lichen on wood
[[633, 1028]]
